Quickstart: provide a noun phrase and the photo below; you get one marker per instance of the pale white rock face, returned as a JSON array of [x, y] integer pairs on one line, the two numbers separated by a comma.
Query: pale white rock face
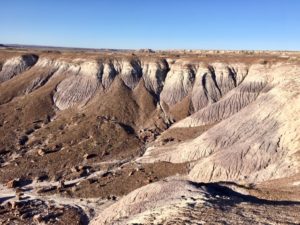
[[79, 86], [223, 76], [240, 70], [154, 73], [214, 81], [164, 197], [48, 69], [178, 83], [226, 96], [175, 201], [228, 76], [131, 72], [16, 65], [204, 90], [46, 62], [91, 69], [259, 148], [255, 143], [109, 73]]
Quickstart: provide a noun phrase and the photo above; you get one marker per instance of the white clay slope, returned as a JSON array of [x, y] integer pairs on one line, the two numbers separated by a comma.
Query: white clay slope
[[255, 105], [16, 65], [79, 86], [175, 201], [254, 109], [149, 197], [256, 143]]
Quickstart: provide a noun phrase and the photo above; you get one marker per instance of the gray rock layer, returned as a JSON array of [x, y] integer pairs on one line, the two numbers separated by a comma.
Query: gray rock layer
[[16, 65], [169, 81], [254, 103], [176, 201], [256, 142]]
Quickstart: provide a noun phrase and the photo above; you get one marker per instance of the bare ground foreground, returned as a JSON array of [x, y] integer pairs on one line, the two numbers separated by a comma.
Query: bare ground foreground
[[142, 137]]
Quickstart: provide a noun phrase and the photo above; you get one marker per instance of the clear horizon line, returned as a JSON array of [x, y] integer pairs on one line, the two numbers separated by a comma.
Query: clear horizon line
[[135, 49]]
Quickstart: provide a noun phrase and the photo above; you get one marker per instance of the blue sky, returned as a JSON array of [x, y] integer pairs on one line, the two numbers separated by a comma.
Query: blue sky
[[157, 24]]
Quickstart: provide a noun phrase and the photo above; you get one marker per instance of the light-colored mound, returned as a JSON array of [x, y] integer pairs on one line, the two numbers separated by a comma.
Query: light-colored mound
[[83, 79], [16, 65], [170, 81], [229, 93], [131, 72], [255, 144], [44, 70], [161, 195], [183, 202], [253, 103], [109, 73], [214, 81], [178, 83], [80, 85], [154, 74], [222, 117]]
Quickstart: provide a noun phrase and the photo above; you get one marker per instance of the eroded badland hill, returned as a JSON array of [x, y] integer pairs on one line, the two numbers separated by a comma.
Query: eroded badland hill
[[137, 137]]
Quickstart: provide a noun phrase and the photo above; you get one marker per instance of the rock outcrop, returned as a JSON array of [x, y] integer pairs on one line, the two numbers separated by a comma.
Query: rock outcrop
[[131, 120], [255, 143], [163, 196], [250, 101], [80, 85], [182, 202], [16, 65], [178, 83]]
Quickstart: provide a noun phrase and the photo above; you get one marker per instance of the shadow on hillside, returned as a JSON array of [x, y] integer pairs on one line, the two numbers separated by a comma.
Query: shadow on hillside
[[224, 196]]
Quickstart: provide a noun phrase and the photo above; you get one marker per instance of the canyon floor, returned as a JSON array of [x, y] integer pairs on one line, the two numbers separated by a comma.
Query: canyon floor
[[144, 137]]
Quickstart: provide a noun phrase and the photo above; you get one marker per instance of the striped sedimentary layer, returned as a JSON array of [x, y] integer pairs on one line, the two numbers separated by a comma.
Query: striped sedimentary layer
[[16, 65], [255, 143], [169, 81], [256, 107]]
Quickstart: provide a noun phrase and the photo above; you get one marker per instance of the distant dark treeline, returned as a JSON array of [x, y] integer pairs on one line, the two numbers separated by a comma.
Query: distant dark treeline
[[51, 48]]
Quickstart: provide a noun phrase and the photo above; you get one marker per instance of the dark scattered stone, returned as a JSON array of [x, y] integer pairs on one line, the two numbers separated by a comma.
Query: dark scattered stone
[[85, 172], [106, 174], [89, 156], [57, 177], [47, 119], [92, 180], [3, 151], [111, 197], [23, 139], [37, 121], [37, 126], [18, 183], [166, 140], [29, 131], [58, 147], [42, 177]]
